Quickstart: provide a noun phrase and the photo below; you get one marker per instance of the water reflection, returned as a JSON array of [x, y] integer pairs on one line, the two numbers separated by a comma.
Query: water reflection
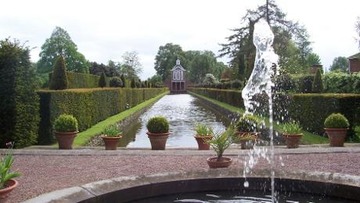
[[183, 111]]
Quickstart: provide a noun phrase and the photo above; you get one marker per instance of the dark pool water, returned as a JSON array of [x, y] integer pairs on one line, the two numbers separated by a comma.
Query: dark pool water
[[183, 111], [238, 197]]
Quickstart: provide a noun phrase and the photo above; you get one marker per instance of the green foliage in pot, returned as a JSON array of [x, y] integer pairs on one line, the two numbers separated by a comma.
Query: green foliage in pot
[[5, 165], [111, 131], [203, 130], [222, 141], [247, 123], [291, 128], [158, 124], [336, 120], [66, 123]]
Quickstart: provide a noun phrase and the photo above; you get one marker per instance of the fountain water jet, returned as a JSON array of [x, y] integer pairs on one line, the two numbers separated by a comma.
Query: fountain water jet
[[260, 81]]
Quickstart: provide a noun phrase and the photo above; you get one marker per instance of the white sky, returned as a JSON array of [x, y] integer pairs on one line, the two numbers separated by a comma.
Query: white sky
[[104, 30]]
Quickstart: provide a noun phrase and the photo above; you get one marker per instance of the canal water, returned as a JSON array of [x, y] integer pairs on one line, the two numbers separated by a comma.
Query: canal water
[[183, 111]]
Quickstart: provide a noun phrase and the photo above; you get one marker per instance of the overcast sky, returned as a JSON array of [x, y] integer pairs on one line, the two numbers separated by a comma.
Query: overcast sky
[[104, 30]]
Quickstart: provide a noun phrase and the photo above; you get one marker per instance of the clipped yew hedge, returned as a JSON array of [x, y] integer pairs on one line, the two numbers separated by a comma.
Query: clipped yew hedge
[[81, 80], [312, 109], [309, 109], [89, 106], [232, 97]]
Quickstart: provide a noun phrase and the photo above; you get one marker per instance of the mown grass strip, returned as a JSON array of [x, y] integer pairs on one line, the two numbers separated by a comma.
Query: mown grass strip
[[307, 138], [83, 137]]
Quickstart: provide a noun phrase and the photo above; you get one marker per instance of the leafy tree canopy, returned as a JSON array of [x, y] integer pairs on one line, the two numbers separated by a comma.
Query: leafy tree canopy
[[110, 70], [340, 64], [291, 41], [58, 44], [131, 67], [165, 59]]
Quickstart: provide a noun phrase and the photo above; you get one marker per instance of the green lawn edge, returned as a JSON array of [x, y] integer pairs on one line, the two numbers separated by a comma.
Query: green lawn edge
[[307, 138], [84, 137]]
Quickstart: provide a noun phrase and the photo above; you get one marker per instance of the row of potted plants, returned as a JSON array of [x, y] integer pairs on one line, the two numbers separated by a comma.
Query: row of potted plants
[[247, 126], [336, 126]]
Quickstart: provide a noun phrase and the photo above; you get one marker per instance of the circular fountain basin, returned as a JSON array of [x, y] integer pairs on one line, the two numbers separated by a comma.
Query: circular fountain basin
[[140, 188]]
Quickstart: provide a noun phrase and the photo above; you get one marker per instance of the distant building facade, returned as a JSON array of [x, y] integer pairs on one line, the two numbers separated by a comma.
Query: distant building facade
[[354, 63], [178, 80]]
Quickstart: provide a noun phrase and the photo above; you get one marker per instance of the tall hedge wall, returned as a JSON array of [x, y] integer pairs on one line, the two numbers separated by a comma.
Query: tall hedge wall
[[312, 109], [309, 109], [18, 100], [232, 97], [89, 106], [81, 80]]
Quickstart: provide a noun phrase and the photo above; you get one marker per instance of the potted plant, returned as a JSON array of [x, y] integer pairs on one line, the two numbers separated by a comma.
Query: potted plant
[[292, 133], [247, 131], [336, 126], [111, 136], [66, 129], [7, 181], [158, 132], [204, 133], [220, 142]]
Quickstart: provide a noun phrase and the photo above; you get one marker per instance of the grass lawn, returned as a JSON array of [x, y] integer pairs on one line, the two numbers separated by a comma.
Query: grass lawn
[[308, 138], [83, 137]]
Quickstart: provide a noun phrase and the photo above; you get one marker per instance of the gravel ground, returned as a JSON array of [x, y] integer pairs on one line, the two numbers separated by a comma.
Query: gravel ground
[[46, 172]]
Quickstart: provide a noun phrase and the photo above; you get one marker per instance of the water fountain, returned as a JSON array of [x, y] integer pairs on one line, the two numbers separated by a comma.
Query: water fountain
[[260, 81]]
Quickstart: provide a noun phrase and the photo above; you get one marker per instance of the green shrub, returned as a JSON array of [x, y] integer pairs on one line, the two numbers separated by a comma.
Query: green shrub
[[158, 124], [305, 83], [317, 86], [222, 141], [132, 84], [111, 131], [336, 120], [58, 80], [337, 82], [102, 80], [290, 128], [116, 82], [236, 84], [247, 123], [203, 130], [66, 123], [356, 137], [284, 83]]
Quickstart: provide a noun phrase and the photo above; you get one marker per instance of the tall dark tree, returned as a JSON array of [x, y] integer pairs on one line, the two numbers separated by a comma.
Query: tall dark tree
[[19, 103], [60, 43], [340, 64], [317, 86], [58, 80], [102, 80], [240, 46], [98, 69]]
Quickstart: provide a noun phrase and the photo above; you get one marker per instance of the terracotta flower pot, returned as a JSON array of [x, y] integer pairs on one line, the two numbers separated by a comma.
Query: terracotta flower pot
[[203, 142], [111, 143], [224, 162], [9, 186], [336, 136], [158, 140], [292, 141], [65, 139]]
